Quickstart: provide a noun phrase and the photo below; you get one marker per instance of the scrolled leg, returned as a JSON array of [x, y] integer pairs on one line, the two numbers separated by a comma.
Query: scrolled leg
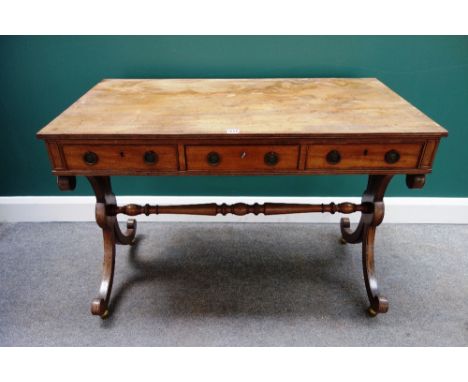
[[378, 304], [365, 234], [127, 237], [100, 305], [106, 219], [66, 183], [348, 235], [415, 181]]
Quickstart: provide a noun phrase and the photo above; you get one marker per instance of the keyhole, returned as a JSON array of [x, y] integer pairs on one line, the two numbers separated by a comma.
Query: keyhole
[[365, 152], [122, 154], [243, 155]]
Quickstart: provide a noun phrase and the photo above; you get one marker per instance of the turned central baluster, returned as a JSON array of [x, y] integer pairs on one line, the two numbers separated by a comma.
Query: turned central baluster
[[240, 209]]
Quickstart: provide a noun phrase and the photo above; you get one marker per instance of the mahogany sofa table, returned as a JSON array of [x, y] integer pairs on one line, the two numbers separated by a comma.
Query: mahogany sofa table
[[241, 127]]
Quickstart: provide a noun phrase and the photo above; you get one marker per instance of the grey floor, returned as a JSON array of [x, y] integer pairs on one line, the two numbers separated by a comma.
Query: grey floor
[[232, 285]]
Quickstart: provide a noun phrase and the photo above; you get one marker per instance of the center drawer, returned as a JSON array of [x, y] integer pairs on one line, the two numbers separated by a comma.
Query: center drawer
[[242, 157]]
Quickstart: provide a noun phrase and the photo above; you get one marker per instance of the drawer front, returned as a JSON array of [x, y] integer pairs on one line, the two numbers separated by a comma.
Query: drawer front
[[363, 156], [242, 158], [120, 157]]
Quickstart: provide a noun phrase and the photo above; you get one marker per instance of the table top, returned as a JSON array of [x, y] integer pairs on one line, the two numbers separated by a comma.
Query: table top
[[257, 107]]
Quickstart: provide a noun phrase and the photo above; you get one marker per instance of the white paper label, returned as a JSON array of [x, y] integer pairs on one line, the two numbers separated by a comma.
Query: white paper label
[[232, 131]]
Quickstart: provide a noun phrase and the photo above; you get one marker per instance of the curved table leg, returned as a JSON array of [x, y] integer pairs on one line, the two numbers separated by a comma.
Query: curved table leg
[[365, 234], [129, 236], [106, 219], [348, 235], [99, 305], [378, 304]]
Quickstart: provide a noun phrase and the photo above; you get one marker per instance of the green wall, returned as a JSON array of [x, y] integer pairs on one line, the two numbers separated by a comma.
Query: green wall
[[41, 76]]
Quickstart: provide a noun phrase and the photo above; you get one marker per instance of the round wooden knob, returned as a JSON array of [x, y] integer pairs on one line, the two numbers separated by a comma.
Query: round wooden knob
[[334, 157], [213, 158], [150, 157], [90, 158], [392, 156], [271, 158]]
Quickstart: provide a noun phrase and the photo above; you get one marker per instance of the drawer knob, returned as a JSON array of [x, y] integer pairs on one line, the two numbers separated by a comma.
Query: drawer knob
[[213, 158], [392, 156], [90, 158], [334, 157], [150, 157], [271, 158]]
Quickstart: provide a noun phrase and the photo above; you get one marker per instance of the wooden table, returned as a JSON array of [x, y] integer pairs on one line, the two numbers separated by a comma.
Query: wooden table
[[237, 127]]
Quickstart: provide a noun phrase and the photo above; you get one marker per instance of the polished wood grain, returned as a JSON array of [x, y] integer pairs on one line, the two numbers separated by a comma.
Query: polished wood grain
[[121, 157], [240, 209], [241, 157], [364, 156], [241, 127], [365, 234], [225, 107], [105, 201]]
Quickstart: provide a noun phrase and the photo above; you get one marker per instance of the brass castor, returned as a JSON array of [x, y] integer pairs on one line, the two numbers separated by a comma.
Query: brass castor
[[343, 241], [99, 308], [380, 306], [105, 315]]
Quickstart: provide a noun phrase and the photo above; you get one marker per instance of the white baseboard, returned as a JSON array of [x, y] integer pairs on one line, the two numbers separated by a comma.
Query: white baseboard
[[81, 208]]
